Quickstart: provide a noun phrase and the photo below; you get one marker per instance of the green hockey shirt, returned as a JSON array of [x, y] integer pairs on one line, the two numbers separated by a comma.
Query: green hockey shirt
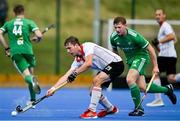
[[133, 44], [18, 30]]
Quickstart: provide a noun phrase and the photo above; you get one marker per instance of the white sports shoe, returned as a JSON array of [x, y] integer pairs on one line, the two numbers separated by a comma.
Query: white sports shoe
[[29, 102], [155, 103]]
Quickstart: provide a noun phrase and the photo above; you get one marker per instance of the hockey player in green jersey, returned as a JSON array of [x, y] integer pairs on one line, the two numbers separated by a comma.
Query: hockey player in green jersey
[[20, 47]]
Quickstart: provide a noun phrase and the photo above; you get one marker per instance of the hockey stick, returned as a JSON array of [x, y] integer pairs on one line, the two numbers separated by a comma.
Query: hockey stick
[[19, 109], [147, 89], [48, 28], [45, 30]]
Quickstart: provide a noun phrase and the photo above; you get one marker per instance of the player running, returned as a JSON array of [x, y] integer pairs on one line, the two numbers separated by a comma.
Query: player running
[[137, 50], [20, 47], [89, 55], [167, 56]]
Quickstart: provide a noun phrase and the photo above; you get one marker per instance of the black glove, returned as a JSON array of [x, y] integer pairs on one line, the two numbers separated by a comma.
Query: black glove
[[7, 52], [72, 76], [155, 42], [36, 39]]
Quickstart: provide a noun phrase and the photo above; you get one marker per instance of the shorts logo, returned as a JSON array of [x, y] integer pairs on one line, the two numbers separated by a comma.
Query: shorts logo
[[108, 68]]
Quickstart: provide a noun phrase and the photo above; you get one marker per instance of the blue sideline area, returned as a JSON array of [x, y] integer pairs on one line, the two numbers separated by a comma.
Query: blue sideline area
[[67, 104]]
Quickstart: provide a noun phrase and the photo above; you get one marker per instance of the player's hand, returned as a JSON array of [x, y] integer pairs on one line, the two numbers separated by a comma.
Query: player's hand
[[50, 92], [36, 39], [7, 52], [156, 70], [155, 42], [72, 76]]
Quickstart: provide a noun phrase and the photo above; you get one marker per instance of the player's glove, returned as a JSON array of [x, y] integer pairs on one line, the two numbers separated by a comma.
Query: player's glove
[[7, 52], [36, 39], [155, 42], [72, 76]]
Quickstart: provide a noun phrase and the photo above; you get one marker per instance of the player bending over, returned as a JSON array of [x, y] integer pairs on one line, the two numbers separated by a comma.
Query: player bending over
[[89, 55]]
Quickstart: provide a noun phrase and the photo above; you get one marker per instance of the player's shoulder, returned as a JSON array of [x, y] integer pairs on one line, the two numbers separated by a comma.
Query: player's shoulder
[[166, 25], [132, 32], [88, 44], [113, 35], [9, 21], [27, 20]]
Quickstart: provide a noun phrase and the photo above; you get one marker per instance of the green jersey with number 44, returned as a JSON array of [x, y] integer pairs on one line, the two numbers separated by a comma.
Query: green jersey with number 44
[[19, 30], [133, 44]]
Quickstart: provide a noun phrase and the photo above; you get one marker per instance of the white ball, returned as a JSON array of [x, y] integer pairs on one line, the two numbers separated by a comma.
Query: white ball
[[13, 113]]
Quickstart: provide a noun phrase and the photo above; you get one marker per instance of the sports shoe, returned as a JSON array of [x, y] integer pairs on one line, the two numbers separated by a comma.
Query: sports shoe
[[88, 114], [137, 112], [36, 87], [103, 113], [30, 102], [170, 94], [155, 103]]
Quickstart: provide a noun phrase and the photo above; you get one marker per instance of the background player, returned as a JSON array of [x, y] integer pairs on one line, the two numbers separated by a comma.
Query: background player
[[89, 55], [20, 47], [137, 50], [167, 57]]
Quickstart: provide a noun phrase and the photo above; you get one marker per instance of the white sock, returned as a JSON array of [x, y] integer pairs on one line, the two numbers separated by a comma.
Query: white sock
[[177, 77], [95, 96], [157, 95], [105, 103]]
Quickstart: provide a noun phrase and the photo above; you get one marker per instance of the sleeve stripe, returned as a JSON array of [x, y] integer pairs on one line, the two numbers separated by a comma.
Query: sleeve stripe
[[146, 45], [2, 29], [35, 29]]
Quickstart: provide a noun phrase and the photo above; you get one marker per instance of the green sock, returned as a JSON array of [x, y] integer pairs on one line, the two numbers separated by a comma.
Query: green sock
[[28, 80], [157, 89], [135, 94], [32, 93]]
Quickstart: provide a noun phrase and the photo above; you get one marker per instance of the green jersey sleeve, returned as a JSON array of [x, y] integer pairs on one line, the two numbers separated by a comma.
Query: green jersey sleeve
[[112, 40], [4, 27], [33, 26], [142, 42]]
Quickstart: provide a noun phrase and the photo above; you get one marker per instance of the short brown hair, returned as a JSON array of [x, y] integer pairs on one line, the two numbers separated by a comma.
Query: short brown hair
[[18, 9], [73, 40], [119, 19], [163, 11]]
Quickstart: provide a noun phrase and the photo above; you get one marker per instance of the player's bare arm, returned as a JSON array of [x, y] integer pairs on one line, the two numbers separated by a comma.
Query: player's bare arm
[[153, 59], [2, 40], [86, 65], [59, 82], [168, 38], [4, 43], [38, 35]]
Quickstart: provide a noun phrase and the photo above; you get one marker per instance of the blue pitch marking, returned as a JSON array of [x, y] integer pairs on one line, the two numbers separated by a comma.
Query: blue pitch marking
[[68, 104]]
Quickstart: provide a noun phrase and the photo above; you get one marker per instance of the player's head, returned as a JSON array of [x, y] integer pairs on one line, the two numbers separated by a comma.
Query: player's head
[[18, 10], [160, 16], [120, 25], [72, 46]]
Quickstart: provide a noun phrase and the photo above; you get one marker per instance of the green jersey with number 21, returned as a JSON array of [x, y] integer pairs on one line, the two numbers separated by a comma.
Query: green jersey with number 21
[[19, 30]]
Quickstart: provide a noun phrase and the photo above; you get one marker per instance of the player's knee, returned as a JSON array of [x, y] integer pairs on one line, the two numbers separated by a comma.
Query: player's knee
[[171, 79], [130, 81], [97, 81], [142, 89]]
